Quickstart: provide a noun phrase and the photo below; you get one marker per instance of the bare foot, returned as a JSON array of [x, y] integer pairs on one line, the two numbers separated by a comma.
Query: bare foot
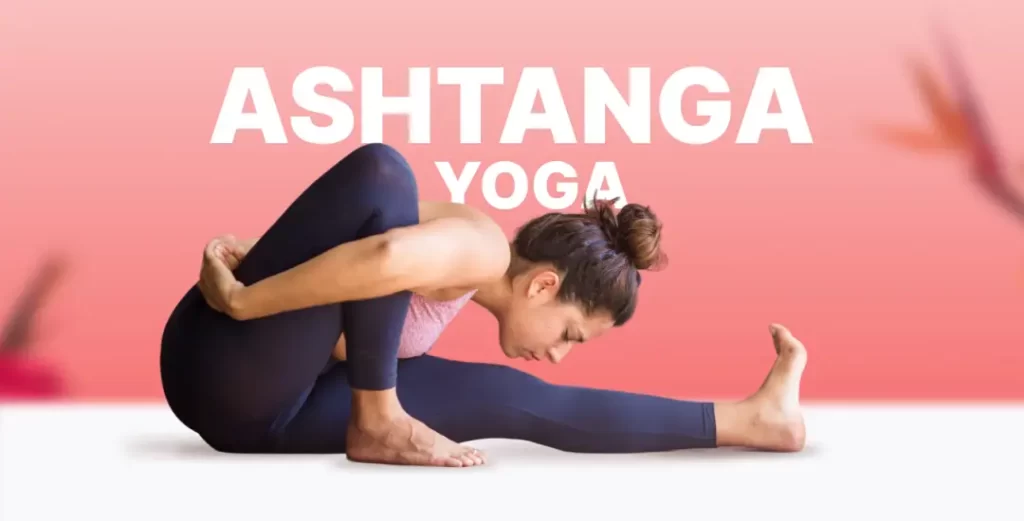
[[407, 441], [777, 422]]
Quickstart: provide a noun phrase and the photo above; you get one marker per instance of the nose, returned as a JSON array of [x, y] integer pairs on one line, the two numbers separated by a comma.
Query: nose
[[558, 353]]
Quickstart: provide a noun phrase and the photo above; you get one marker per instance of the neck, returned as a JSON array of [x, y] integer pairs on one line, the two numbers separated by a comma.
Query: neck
[[495, 295]]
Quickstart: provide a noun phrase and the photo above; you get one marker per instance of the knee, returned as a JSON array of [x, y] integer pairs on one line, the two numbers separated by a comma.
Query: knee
[[375, 176], [384, 166], [378, 152]]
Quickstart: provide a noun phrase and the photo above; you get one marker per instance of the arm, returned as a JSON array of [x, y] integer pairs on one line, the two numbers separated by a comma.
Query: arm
[[449, 251]]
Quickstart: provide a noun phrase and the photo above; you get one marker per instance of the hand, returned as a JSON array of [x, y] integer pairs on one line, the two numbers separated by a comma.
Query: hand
[[230, 250], [217, 283]]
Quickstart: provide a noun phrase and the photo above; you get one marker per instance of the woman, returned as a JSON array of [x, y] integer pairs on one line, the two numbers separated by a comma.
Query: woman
[[313, 338]]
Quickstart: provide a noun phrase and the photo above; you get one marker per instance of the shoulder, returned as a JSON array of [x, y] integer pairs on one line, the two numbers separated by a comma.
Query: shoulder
[[476, 233], [466, 217], [432, 210]]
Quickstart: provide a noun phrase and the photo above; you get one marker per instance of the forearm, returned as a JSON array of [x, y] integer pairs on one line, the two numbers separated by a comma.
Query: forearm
[[446, 252], [357, 270]]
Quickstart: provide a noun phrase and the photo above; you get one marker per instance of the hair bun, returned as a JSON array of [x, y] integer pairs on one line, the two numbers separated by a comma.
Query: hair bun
[[634, 230]]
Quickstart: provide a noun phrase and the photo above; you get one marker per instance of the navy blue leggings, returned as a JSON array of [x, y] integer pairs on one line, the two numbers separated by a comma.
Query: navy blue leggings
[[270, 385]]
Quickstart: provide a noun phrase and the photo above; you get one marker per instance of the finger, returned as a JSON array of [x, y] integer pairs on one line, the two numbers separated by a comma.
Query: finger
[[210, 251], [248, 244], [219, 271], [228, 259], [218, 245], [237, 254], [227, 237], [226, 255], [215, 262]]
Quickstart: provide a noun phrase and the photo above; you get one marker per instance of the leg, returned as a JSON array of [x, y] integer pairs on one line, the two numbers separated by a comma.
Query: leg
[[369, 192], [490, 401], [255, 373], [494, 401], [467, 401], [254, 376]]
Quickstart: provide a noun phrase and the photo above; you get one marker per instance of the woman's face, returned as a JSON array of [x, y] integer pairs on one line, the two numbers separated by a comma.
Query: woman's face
[[537, 326]]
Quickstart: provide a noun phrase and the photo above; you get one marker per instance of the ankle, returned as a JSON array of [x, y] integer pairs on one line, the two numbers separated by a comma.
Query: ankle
[[375, 409], [755, 423], [734, 422]]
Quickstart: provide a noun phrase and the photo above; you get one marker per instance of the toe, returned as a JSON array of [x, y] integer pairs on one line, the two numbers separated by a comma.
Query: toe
[[778, 331], [473, 456], [453, 462], [478, 457]]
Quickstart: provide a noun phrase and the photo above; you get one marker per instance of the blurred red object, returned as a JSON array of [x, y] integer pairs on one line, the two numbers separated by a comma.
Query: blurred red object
[[24, 376], [958, 124]]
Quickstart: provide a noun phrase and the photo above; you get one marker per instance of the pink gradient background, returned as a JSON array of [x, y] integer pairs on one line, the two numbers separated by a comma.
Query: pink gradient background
[[903, 279]]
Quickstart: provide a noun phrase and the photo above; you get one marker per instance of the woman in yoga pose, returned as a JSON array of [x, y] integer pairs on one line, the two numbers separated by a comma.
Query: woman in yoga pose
[[312, 339]]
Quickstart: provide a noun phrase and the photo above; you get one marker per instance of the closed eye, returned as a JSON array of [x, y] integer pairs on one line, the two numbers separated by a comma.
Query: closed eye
[[566, 337]]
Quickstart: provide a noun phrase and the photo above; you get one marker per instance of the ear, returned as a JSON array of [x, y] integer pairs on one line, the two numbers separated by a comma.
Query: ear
[[545, 283]]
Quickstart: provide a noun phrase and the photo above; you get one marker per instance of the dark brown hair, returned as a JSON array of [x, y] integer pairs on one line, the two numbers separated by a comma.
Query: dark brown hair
[[599, 253]]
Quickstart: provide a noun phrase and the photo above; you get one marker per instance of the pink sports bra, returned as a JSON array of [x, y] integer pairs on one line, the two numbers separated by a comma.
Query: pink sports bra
[[426, 321]]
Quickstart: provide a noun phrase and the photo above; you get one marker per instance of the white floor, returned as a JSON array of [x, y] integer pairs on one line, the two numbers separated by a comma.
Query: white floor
[[863, 462]]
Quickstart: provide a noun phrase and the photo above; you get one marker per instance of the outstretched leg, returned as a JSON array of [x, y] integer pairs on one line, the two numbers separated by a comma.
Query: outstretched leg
[[469, 401], [506, 403]]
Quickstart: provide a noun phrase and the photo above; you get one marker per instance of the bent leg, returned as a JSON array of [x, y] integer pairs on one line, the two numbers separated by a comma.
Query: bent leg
[[242, 379], [369, 192]]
